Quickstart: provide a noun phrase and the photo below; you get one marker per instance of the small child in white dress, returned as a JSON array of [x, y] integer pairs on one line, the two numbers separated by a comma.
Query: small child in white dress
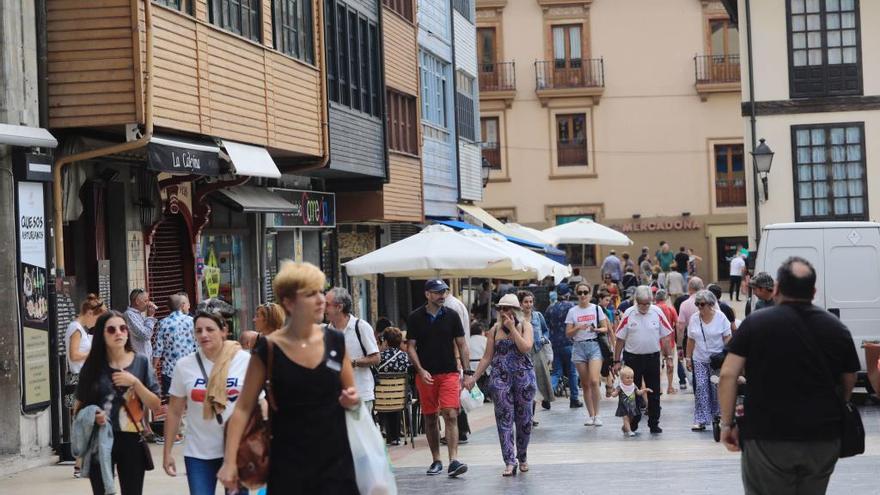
[[629, 399]]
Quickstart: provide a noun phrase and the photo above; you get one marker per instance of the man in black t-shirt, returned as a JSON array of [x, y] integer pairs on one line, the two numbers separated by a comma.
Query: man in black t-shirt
[[433, 333], [681, 262], [801, 363]]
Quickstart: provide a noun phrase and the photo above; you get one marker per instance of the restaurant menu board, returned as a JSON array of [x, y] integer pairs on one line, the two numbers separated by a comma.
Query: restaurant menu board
[[104, 281], [65, 311], [34, 300]]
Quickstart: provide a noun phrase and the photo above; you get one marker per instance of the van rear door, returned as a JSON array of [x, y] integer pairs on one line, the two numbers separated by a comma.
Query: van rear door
[[780, 244], [852, 280]]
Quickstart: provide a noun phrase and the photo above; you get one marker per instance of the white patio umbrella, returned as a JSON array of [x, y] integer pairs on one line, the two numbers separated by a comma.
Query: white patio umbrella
[[438, 251], [538, 266], [586, 231], [526, 233]]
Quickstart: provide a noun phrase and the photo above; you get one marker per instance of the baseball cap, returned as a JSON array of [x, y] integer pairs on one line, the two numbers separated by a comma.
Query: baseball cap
[[563, 290], [762, 280], [436, 285]]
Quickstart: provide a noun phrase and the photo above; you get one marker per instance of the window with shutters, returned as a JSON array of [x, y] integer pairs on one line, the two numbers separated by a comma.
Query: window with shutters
[[401, 122], [730, 175], [402, 7], [241, 17], [824, 48], [293, 28], [464, 106], [352, 59], [830, 179]]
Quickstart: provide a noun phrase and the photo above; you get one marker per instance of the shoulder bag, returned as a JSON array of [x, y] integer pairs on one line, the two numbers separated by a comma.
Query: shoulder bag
[[253, 450], [716, 359], [148, 456], [852, 430]]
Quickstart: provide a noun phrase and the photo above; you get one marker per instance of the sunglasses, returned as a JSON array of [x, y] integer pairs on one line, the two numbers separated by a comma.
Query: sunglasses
[[113, 330], [583, 293]]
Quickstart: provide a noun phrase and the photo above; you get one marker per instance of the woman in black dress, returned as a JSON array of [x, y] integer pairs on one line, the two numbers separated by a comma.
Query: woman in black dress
[[312, 384]]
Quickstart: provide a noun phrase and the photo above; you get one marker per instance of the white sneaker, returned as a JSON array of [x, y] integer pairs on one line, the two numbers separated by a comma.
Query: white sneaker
[[590, 421], [597, 421], [631, 434]]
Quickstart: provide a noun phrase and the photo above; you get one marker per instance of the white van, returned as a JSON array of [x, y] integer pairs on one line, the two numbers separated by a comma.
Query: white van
[[846, 256]]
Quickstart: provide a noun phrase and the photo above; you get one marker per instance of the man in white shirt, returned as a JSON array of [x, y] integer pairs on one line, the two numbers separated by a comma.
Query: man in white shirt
[[360, 341], [737, 267], [639, 337]]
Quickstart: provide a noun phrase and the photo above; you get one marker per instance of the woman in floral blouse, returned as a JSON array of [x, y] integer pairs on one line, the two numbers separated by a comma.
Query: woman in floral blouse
[[392, 360]]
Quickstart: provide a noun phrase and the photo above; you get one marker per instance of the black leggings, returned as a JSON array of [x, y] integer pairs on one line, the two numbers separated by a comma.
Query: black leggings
[[128, 459], [734, 286]]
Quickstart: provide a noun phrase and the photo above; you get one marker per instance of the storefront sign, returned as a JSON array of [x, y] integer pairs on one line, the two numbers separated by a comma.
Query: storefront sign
[[180, 160], [659, 226], [34, 296], [313, 209]]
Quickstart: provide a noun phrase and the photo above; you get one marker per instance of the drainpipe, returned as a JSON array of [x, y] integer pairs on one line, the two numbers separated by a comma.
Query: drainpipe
[[455, 104], [62, 162], [322, 67], [753, 123]]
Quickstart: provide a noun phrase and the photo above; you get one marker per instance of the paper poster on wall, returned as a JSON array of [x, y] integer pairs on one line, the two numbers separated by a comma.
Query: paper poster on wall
[[212, 275], [35, 366]]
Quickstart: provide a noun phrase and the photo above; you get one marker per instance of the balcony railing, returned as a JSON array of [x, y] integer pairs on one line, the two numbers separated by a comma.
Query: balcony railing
[[730, 194], [492, 154], [571, 153], [573, 73], [500, 76], [716, 69]]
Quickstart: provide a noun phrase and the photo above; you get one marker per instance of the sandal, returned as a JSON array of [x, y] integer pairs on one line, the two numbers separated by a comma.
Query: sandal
[[524, 467], [698, 427], [509, 471]]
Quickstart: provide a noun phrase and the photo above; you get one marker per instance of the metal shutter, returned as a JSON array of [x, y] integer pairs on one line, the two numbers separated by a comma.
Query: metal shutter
[[166, 263]]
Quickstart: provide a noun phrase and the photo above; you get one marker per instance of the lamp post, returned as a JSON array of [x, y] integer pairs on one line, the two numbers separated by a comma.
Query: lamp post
[[485, 169], [763, 158]]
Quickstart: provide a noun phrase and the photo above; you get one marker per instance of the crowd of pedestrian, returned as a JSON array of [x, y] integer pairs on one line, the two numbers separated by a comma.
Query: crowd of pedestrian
[[315, 361]]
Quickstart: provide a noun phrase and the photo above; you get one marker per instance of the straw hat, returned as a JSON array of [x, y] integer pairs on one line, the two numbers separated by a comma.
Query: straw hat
[[509, 301]]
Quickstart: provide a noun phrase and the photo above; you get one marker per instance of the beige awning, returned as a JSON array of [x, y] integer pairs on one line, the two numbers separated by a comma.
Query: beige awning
[[485, 217]]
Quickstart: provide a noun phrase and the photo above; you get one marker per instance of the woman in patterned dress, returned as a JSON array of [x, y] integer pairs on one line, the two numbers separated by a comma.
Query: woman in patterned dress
[[392, 360], [512, 383]]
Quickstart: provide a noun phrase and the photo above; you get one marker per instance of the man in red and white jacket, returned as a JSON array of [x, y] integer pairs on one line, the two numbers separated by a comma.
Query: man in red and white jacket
[[640, 336]]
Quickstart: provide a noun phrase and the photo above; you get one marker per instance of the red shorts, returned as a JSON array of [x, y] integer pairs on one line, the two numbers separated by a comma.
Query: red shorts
[[443, 394]]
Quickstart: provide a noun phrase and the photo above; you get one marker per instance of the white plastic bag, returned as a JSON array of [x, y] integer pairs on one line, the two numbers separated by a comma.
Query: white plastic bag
[[472, 399], [547, 350], [371, 465]]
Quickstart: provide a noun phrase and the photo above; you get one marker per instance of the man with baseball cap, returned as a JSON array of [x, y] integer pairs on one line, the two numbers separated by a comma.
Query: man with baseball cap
[[433, 333], [762, 287]]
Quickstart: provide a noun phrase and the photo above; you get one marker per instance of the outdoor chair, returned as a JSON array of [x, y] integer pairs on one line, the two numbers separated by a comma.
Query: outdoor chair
[[392, 395]]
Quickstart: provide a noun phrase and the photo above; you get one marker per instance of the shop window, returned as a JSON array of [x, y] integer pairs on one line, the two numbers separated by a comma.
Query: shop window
[[241, 17], [824, 48], [829, 171], [401, 122], [224, 273], [577, 254], [730, 176], [402, 7], [571, 139], [293, 28], [353, 59], [491, 141]]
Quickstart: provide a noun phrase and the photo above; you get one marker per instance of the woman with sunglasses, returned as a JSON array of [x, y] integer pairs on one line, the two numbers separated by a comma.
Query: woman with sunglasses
[[708, 332], [512, 383], [122, 385], [583, 324]]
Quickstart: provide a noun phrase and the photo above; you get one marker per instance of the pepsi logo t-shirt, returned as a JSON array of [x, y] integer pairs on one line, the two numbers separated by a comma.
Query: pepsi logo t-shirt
[[204, 437]]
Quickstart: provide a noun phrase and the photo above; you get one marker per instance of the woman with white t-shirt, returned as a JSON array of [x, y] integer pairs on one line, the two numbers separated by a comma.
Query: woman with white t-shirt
[[583, 324], [190, 385], [708, 332]]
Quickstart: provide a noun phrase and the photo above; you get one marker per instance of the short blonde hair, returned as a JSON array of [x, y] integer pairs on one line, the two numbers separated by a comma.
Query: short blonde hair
[[295, 277], [626, 370]]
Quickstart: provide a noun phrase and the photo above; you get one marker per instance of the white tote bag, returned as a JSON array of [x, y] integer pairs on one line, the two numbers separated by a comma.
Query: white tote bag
[[371, 465]]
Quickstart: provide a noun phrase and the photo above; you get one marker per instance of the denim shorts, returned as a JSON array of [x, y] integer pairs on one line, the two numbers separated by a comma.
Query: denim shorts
[[585, 351]]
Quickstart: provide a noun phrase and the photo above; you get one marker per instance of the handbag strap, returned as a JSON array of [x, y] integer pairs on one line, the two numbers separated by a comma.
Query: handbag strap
[[205, 376], [397, 352], [137, 425], [267, 384]]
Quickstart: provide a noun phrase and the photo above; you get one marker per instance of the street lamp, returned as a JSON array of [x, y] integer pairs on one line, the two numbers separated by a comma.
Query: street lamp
[[485, 169], [763, 158]]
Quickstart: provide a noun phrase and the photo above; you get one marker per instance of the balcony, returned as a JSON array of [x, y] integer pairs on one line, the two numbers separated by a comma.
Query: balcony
[[498, 81], [570, 78], [492, 154], [716, 74]]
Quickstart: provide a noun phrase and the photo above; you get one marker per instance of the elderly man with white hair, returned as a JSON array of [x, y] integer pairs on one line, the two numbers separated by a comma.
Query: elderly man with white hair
[[640, 336]]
